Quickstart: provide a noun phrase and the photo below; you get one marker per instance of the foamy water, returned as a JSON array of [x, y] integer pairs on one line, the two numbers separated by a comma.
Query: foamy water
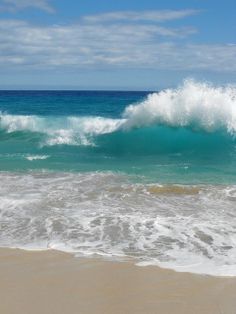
[[36, 157], [200, 106], [188, 228]]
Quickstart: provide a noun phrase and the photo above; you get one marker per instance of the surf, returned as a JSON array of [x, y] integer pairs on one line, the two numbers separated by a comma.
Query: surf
[[199, 107], [174, 134], [195, 105], [186, 228]]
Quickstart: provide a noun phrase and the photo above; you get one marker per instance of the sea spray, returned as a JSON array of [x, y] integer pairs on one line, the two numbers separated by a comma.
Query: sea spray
[[199, 106]]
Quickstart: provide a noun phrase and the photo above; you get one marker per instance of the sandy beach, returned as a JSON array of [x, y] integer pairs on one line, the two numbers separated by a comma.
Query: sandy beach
[[53, 282]]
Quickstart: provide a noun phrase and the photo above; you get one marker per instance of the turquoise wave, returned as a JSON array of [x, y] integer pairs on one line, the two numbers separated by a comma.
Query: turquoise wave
[[159, 153], [164, 140], [112, 138], [183, 135]]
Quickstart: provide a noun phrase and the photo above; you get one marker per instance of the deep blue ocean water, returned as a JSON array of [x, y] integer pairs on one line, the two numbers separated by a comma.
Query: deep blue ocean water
[[148, 176]]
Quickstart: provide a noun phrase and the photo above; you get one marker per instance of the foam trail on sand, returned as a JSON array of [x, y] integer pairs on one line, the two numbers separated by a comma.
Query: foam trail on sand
[[187, 228]]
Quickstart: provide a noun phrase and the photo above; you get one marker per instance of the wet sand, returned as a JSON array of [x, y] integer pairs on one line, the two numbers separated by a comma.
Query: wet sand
[[56, 283]]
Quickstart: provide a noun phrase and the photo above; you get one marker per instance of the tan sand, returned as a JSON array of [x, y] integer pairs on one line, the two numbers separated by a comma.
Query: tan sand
[[53, 282]]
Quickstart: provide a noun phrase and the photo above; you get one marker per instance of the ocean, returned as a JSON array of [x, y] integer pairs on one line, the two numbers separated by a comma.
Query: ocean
[[149, 176]]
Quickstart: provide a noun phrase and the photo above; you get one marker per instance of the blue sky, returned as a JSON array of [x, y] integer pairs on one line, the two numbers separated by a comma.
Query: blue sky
[[123, 44]]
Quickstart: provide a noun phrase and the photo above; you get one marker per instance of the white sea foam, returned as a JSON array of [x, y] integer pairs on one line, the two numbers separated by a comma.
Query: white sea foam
[[36, 157], [196, 105], [13, 123], [61, 130], [187, 228]]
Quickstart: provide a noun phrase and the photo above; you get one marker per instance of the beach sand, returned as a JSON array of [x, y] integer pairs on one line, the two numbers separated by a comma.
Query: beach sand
[[53, 282]]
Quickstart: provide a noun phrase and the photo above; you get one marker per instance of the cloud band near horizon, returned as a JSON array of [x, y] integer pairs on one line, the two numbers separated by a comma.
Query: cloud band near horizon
[[116, 39]]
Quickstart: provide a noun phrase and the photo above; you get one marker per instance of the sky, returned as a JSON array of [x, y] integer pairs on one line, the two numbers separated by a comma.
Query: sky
[[116, 44]]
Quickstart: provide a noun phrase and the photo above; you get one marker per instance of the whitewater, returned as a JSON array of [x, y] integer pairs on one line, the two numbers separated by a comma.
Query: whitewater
[[198, 106], [147, 176]]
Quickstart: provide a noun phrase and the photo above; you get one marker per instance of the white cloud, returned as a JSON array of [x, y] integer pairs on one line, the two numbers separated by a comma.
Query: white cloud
[[113, 44], [151, 16], [15, 5]]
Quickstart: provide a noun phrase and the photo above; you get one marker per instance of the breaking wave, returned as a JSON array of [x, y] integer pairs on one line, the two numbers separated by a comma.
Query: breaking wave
[[60, 130], [194, 106], [199, 106]]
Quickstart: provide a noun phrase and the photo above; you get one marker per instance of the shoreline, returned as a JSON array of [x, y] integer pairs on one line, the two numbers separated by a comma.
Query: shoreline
[[55, 282]]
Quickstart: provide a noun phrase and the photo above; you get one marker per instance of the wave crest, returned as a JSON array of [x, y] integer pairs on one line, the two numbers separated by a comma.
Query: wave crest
[[61, 130], [195, 105]]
